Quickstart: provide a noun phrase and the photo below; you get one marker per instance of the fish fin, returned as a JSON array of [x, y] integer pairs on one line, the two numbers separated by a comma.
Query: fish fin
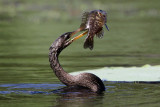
[[106, 27], [88, 43], [100, 33], [84, 20]]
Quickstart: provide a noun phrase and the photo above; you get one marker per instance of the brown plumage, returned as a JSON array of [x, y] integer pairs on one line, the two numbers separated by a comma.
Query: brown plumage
[[93, 22], [82, 80]]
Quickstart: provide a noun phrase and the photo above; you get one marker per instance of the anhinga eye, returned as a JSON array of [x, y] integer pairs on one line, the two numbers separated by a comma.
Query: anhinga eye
[[67, 36]]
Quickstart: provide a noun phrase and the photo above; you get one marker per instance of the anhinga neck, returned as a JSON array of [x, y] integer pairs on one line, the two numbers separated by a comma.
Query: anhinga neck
[[63, 76]]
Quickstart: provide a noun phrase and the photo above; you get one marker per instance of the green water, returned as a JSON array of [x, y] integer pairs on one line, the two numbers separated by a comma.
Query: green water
[[27, 29]]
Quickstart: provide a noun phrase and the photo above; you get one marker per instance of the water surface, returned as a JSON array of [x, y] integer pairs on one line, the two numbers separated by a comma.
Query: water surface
[[116, 94]]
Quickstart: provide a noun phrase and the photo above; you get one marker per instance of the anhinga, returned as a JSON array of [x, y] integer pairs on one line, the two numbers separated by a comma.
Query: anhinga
[[86, 80]]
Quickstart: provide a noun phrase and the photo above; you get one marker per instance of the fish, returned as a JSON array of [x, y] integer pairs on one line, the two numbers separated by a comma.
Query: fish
[[93, 22]]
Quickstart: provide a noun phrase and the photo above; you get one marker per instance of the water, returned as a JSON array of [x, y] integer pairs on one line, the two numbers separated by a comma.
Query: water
[[27, 29], [116, 94]]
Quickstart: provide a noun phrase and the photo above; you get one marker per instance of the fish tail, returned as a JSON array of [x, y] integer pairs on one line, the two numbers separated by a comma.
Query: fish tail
[[88, 43]]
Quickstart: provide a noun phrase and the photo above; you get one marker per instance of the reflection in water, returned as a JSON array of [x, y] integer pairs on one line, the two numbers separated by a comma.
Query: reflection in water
[[116, 94], [68, 96], [73, 96]]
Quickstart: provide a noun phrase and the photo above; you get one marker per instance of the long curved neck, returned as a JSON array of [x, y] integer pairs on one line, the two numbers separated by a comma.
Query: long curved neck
[[63, 76]]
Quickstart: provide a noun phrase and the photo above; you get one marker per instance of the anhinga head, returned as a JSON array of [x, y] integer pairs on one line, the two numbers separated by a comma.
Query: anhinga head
[[62, 42], [65, 39]]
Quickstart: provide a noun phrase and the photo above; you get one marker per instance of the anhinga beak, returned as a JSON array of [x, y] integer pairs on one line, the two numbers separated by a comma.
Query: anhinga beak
[[76, 31], [79, 36], [106, 27], [68, 42]]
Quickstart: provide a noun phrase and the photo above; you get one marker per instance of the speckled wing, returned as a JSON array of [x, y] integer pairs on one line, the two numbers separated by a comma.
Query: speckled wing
[[84, 20]]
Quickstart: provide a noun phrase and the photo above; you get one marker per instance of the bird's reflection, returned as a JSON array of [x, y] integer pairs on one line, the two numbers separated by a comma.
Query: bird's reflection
[[73, 96]]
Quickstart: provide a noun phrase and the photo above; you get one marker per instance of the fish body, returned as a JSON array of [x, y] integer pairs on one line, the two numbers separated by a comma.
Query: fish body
[[93, 22]]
